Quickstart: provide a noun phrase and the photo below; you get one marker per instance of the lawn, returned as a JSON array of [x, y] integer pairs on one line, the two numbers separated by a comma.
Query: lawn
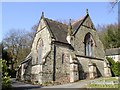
[[111, 82]]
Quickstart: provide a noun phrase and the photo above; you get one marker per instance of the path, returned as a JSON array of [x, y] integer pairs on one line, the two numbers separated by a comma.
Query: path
[[79, 84], [16, 85], [23, 86]]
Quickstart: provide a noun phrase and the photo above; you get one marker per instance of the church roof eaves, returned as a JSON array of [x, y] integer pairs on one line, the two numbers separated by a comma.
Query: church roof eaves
[[112, 51]]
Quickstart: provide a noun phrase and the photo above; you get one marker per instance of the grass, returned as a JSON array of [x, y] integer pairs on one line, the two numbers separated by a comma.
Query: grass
[[109, 79], [102, 85]]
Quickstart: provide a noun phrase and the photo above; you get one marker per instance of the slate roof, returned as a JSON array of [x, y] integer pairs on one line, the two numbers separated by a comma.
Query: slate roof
[[58, 30], [76, 24], [113, 51], [28, 58]]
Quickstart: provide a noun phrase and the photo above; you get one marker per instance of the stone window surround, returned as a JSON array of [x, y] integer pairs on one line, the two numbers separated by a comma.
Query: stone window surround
[[92, 44], [39, 43]]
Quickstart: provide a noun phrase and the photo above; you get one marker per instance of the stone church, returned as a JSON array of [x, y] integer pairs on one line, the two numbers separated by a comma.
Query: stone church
[[64, 53]]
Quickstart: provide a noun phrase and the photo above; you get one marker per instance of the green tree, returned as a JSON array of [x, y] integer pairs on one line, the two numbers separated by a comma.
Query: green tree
[[115, 67], [110, 36], [6, 56]]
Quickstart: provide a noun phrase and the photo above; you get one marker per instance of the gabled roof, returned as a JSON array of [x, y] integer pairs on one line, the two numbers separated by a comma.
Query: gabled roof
[[76, 24], [28, 58], [58, 30], [112, 51]]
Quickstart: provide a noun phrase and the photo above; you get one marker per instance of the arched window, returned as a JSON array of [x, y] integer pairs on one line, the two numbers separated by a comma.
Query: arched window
[[89, 45], [63, 56], [39, 51]]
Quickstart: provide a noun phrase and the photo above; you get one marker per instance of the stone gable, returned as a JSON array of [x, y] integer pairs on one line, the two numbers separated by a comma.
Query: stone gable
[[65, 53]]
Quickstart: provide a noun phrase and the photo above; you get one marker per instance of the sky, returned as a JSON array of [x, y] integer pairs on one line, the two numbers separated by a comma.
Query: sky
[[24, 15]]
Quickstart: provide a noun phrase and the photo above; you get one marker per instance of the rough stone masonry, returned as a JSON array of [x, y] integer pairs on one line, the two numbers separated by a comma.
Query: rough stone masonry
[[64, 53]]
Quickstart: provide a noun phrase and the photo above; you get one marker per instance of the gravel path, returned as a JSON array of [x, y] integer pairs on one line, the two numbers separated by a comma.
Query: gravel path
[[79, 84], [16, 85], [23, 86]]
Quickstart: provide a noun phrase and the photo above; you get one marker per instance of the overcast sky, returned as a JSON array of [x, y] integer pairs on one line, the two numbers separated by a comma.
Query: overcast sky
[[21, 15]]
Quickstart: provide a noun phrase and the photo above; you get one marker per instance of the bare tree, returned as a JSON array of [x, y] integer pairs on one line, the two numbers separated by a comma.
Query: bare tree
[[18, 44], [114, 3]]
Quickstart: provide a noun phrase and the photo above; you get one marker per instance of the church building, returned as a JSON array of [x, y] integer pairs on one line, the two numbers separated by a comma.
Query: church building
[[64, 53]]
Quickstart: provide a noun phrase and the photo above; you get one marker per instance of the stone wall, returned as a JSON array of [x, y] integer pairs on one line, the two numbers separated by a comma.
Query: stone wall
[[42, 33], [35, 70], [27, 73], [62, 64], [24, 71], [39, 71], [84, 67], [56, 68], [47, 67], [55, 59], [43, 73], [79, 47], [79, 41], [56, 64], [18, 74]]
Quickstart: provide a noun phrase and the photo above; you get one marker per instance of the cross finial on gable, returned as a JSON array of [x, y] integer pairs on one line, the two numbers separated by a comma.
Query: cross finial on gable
[[70, 27], [86, 11], [69, 22], [42, 14]]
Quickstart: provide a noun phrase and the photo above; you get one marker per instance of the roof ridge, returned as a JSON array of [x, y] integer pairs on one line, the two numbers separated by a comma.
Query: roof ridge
[[56, 21], [81, 18]]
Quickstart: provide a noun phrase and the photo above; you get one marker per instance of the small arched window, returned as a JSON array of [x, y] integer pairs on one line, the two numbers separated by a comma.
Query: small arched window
[[39, 51], [89, 45], [63, 56]]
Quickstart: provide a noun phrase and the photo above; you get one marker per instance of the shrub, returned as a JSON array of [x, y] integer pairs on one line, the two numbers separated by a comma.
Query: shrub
[[115, 66], [6, 81], [5, 78]]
